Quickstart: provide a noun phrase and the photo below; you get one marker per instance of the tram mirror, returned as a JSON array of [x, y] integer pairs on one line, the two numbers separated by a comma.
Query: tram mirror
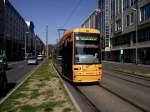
[[59, 58]]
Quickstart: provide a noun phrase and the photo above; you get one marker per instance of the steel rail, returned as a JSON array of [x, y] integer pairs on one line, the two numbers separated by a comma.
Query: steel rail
[[131, 75], [135, 82], [85, 98], [88, 101], [124, 99]]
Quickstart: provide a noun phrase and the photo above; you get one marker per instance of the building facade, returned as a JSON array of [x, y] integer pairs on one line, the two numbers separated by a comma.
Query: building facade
[[39, 46], [106, 8], [30, 37], [130, 36], [100, 19], [1, 23], [14, 32], [91, 21]]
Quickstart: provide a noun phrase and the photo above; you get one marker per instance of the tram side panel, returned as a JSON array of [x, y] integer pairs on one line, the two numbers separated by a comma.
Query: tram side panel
[[57, 59], [67, 60]]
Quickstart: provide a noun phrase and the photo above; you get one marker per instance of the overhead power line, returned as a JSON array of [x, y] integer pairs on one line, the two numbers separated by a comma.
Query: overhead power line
[[72, 12]]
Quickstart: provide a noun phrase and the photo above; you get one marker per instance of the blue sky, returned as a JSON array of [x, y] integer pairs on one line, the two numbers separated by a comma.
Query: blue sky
[[55, 14]]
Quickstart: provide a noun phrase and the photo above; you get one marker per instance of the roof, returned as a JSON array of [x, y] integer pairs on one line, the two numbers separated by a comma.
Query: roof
[[82, 30], [78, 30]]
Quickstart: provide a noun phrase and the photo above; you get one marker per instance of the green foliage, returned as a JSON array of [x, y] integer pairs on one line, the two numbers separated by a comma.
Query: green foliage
[[67, 110], [34, 94], [49, 93], [43, 73], [28, 108], [48, 107]]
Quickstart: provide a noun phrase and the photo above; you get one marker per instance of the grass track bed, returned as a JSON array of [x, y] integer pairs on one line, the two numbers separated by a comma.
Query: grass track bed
[[42, 92]]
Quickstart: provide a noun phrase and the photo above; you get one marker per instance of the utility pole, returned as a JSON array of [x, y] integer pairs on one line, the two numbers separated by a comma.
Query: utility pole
[[47, 41], [136, 31]]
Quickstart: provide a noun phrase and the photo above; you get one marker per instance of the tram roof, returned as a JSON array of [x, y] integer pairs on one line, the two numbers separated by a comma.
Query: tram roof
[[82, 30], [78, 30]]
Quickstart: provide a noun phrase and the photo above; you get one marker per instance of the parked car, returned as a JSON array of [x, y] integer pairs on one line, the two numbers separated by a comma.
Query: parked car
[[3, 62], [40, 57], [32, 60], [3, 81], [59, 58]]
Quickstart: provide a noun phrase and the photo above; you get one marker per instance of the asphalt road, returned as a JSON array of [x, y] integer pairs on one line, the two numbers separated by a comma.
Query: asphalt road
[[16, 72]]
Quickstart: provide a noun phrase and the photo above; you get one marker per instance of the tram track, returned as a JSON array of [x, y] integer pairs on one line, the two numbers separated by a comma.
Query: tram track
[[146, 78], [83, 96], [113, 93], [124, 99], [130, 78], [88, 101], [94, 107]]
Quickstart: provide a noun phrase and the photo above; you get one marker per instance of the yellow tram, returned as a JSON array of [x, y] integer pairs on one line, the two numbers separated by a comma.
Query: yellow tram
[[78, 54]]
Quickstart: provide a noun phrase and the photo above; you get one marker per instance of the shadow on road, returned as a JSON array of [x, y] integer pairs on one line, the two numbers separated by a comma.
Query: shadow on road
[[9, 68], [86, 84], [9, 87]]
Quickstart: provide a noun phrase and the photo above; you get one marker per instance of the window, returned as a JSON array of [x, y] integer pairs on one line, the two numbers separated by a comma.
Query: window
[[132, 2], [131, 18], [145, 12], [87, 49], [127, 3], [144, 35], [124, 4], [127, 20], [118, 25]]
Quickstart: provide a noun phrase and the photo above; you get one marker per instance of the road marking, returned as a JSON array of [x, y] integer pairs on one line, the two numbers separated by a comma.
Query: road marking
[[21, 82]]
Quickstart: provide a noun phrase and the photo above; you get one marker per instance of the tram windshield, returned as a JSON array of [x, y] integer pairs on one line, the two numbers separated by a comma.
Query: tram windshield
[[87, 50]]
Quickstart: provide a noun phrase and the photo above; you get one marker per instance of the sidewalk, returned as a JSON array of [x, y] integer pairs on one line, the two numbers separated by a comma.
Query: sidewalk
[[42, 92], [129, 67]]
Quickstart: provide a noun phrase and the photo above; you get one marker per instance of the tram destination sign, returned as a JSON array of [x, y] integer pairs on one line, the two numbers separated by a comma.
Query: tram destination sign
[[87, 38]]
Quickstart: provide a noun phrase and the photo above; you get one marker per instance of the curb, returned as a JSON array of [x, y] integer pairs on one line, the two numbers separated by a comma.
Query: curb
[[68, 92], [25, 78]]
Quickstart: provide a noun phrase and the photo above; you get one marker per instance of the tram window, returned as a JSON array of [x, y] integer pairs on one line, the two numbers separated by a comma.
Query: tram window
[[87, 49]]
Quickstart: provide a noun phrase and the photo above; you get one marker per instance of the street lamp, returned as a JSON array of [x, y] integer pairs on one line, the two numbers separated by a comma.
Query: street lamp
[[136, 31], [25, 44]]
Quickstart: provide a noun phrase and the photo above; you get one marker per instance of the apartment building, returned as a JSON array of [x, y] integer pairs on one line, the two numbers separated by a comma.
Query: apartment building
[[15, 32], [130, 31]]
